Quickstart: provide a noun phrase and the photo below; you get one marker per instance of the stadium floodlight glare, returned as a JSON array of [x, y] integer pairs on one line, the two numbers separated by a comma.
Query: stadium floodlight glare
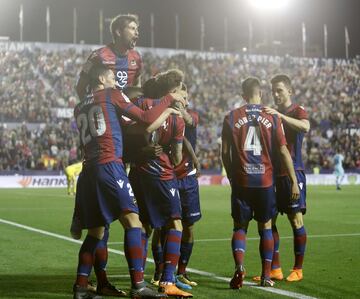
[[269, 4]]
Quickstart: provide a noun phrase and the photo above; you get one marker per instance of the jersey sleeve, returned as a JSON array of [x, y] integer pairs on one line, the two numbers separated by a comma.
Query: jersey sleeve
[[279, 132]]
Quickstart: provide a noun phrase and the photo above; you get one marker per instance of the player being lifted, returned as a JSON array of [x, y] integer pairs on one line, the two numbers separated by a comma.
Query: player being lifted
[[104, 192], [119, 56], [250, 137], [295, 121]]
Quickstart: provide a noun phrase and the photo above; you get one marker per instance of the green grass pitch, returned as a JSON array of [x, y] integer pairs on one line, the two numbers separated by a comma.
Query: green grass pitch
[[34, 265]]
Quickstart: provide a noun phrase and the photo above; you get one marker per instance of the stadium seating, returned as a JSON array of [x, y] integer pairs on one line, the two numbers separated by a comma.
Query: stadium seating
[[39, 84]]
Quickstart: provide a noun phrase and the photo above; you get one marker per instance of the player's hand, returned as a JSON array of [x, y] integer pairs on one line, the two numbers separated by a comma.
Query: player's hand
[[295, 192], [197, 166], [152, 151], [272, 111], [180, 96]]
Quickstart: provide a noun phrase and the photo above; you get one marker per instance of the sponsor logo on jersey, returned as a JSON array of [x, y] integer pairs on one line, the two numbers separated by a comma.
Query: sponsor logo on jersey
[[133, 62]]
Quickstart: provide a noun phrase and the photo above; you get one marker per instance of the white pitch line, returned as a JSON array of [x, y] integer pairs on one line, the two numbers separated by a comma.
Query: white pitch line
[[257, 238], [199, 272]]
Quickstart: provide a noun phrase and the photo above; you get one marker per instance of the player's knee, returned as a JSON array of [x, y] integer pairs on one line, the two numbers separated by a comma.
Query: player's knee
[[130, 220], [97, 232], [296, 220], [175, 224], [265, 225]]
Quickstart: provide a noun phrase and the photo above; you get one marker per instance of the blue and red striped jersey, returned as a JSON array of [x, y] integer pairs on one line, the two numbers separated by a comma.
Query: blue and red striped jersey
[[127, 68], [97, 118], [294, 139], [171, 131], [186, 166], [253, 136]]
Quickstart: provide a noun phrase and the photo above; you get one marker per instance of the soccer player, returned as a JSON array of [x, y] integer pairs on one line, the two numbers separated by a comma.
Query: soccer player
[[159, 183], [250, 136], [126, 63], [72, 172], [338, 169], [296, 124], [187, 172], [119, 56], [104, 192]]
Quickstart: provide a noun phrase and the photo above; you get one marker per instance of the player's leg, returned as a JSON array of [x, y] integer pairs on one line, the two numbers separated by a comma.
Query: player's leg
[[134, 256], [158, 255], [238, 245], [171, 258], [266, 249], [241, 212], [191, 213], [85, 263], [145, 235], [300, 237], [104, 287], [276, 271], [187, 242]]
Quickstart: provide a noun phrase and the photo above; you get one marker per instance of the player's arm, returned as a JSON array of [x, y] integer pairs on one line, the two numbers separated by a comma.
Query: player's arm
[[286, 158], [299, 125], [176, 152], [159, 121], [226, 149], [190, 151]]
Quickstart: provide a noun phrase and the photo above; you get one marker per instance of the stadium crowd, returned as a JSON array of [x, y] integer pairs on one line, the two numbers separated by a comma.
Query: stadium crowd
[[35, 84]]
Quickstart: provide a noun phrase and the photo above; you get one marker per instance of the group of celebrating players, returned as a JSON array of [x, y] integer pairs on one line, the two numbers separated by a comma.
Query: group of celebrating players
[[151, 130]]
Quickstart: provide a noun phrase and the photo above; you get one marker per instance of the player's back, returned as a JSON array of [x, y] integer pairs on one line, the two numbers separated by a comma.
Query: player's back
[[254, 135], [100, 130]]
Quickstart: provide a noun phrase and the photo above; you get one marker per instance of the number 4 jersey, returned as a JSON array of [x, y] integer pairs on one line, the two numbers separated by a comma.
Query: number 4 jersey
[[97, 118], [254, 137]]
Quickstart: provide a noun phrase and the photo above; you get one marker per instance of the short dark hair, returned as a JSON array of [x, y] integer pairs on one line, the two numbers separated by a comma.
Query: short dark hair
[[169, 80], [281, 78], [249, 86], [163, 83], [95, 72], [121, 21]]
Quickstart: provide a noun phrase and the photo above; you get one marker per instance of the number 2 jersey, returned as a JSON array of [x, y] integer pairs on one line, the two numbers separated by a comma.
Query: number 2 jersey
[[127, 68], [254, 137], [97, 118]]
